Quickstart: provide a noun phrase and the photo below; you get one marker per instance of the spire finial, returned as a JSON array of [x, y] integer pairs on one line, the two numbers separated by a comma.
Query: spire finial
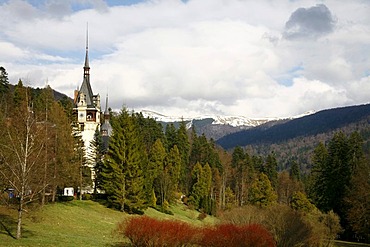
[[87, 36], [106, 112], [87, 67]]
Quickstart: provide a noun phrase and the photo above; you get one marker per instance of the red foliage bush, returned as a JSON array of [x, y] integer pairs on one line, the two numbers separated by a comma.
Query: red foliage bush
[[239, 236], [145, 231]]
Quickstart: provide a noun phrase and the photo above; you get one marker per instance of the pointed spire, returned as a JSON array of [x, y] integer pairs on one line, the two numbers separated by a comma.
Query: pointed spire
[[87, 47], [106, 112]]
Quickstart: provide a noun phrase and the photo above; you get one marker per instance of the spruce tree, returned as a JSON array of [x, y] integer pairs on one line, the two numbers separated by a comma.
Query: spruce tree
[[294, 171], [153, 169], [4, 82], [261, 192], [183, 146], [270, 169], [122, 176], [171, 136]]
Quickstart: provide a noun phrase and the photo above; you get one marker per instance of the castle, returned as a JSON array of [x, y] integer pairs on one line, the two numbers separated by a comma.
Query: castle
[[87, 108]]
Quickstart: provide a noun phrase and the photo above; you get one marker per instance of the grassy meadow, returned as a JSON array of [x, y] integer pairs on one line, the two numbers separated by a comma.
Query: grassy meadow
[[77, 223], [84, 223]]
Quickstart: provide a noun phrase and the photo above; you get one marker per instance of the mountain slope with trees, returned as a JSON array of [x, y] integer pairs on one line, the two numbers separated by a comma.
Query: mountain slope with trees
[[318, 123]]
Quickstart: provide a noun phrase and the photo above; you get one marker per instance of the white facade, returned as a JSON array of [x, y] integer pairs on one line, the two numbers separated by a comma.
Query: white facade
[[87, 108]]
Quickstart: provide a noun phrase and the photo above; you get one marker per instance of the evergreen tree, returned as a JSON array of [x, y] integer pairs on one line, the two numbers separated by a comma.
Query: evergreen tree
[[122, 176], [261, 192], [199, 187], [174, 163], [63, 168], [155, 166], [357, 202], [270, 169], [149, 130], [171, 136], [183, 146], [243, 174], [295, 171], [4, 82], [318, 181], [332, 174]]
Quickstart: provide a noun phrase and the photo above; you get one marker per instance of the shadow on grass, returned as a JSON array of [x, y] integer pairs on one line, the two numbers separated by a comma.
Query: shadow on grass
[[8, 226]]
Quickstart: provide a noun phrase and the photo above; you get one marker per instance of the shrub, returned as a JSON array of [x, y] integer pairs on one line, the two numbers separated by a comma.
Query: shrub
[[145, 231], [65, 198], [86, 196], [202, 216], [233, 235], [287, 226]]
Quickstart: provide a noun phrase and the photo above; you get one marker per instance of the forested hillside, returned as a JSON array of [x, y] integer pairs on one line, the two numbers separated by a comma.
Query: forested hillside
[[148, 166], [311, 125]]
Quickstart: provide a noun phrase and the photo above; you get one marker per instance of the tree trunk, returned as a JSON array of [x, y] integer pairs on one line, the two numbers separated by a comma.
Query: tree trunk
[[20, 211]]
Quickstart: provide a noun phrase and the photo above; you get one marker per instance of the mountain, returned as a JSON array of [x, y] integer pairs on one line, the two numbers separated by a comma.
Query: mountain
[[310, 125], [215, 127]]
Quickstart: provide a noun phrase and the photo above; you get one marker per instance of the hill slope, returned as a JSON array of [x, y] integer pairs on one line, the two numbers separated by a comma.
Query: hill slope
[[78, 223], [310, 125]]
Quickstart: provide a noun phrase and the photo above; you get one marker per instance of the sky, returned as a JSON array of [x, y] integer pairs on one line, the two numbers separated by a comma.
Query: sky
[[267, 58]]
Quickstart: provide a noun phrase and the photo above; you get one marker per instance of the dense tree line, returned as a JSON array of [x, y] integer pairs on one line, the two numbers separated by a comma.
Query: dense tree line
[[340, 181], [148, 166], [36, 145]]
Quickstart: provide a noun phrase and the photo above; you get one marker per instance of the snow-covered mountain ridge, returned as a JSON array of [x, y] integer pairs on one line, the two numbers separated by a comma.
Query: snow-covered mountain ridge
[[235, 121]]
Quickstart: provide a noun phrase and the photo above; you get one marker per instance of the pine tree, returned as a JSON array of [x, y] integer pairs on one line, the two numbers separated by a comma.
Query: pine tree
[[149, 130], [4, 82], [63, 168], [155, 167], [333, 175], [295, 171], [270, 169], [174, 163], [357, 201], [183, 146], [171, 136], [261, 192], [122, 176]]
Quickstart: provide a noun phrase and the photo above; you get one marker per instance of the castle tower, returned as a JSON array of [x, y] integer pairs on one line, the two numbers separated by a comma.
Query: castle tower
[[106, 128], [87, 109]]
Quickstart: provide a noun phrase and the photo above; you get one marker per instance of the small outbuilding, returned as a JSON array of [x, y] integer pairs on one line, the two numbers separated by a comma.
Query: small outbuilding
[[68, 191]]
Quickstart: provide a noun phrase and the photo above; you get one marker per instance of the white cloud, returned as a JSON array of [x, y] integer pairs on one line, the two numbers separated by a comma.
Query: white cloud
[[193, 58]]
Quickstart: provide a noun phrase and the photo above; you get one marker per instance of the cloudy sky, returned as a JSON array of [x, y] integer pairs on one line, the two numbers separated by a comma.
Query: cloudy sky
[[268, 58]]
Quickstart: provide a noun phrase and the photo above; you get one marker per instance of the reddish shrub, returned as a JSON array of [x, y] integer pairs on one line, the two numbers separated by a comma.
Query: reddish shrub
[[145, 231], [233, 235]]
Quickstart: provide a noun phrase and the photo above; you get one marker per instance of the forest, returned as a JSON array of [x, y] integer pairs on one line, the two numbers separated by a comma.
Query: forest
[[148, 166]]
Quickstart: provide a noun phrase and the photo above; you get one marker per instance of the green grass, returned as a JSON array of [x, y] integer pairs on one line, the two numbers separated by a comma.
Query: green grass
[[182, 213], [86, 223], [78, 223]]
